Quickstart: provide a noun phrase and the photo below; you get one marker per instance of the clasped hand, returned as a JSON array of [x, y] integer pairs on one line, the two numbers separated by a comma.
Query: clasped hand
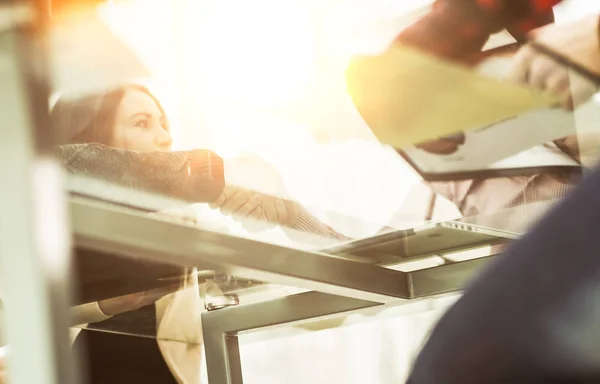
[[256, 210], [538, 70], [255, 195]]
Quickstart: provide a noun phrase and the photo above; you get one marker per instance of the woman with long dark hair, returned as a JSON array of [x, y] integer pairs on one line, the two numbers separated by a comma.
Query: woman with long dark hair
[[123, 136]]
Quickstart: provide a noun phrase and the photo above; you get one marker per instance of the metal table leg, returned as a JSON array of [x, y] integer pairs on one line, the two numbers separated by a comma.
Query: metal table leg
[[220, 328]]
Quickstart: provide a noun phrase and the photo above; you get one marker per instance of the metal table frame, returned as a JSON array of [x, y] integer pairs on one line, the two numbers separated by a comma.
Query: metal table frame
[[221, 328], [336, 285]]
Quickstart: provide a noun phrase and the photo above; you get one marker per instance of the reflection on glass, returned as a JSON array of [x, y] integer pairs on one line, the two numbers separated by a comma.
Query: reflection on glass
[[239, 123]]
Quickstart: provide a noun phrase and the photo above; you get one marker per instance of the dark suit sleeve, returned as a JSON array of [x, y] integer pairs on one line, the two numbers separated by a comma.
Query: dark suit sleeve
[[533, 316], [456, 29]]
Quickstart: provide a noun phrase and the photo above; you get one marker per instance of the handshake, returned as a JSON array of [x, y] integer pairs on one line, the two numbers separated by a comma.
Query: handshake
[[255, 195], [255, 210]]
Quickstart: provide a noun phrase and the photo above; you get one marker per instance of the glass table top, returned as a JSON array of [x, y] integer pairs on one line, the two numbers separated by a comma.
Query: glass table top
[[124, 267], [248, 163], [216, 160]]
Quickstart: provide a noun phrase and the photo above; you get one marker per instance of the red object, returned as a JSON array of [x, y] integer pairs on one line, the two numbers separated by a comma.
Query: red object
[[457, 29]]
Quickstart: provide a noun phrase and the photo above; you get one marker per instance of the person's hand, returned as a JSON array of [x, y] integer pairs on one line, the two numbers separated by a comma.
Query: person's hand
[[577, 42], [538, 70], [256, 195], [134, 301], [585, 147], [256, 211]]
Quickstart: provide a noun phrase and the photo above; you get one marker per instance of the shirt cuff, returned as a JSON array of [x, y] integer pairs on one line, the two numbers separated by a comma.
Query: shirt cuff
[[87, 313], [309, 226]]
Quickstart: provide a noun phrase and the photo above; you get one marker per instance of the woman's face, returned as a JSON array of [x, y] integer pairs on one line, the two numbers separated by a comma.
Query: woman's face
[[140, 125]]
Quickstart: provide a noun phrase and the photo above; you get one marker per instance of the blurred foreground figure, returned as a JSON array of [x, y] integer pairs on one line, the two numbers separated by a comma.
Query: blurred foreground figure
[[533, 316]]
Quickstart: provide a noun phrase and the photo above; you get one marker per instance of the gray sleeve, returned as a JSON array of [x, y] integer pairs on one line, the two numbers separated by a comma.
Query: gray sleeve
[[192, 176], [308, 224]]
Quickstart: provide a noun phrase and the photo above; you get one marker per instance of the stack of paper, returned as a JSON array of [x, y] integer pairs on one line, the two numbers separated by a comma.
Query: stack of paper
[[407, 97]]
